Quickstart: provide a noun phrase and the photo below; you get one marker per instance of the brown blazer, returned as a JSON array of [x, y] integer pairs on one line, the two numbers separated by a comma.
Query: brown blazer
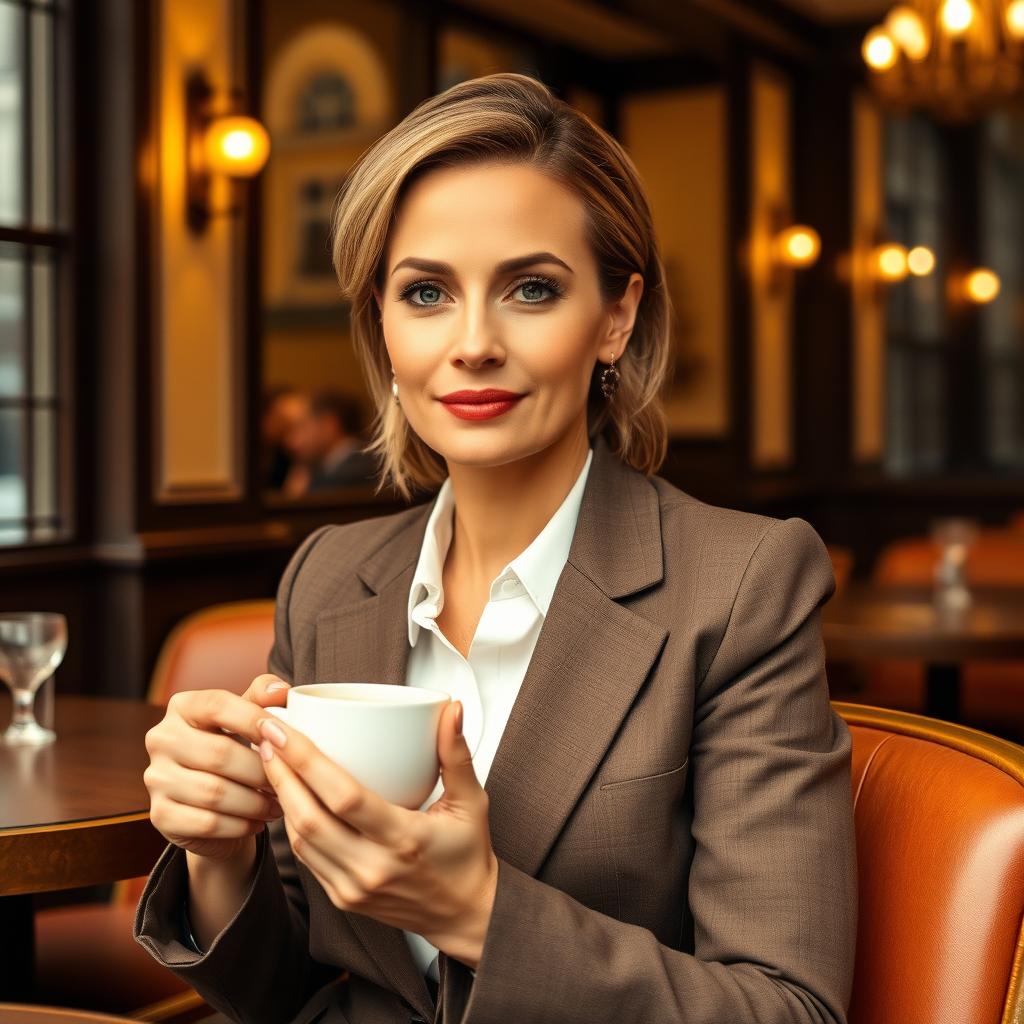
[[670, 802]]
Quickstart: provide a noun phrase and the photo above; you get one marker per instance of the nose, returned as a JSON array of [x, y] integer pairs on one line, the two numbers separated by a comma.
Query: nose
[[477, 342]]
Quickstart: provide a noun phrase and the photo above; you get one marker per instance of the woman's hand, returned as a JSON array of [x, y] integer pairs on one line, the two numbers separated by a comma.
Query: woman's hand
[[205, 787], [432, 872]]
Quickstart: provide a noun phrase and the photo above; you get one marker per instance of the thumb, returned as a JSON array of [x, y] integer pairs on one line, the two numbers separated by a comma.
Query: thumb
[[268, 690], [457, 773]]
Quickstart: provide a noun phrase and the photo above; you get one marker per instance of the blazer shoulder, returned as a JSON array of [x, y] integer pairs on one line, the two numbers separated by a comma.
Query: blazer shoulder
[[686, 519], [343, 546]]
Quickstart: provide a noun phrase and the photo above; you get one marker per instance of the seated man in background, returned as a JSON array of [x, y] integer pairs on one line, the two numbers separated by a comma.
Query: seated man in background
[[326, 444]]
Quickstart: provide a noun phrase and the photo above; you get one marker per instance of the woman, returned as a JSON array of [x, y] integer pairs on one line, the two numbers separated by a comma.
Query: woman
[[666, 832]]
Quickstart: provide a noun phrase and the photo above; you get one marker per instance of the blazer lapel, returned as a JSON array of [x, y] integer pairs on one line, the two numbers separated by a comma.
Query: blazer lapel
[[591, 659]]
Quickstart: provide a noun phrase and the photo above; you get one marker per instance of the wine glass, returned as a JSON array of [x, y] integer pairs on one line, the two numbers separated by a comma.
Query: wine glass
[[32, 645]]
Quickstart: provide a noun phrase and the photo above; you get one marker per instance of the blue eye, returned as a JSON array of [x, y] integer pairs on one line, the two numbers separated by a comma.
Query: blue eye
[[421, 286]]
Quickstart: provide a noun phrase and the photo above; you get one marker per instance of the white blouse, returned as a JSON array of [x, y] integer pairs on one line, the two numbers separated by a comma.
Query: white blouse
[[488, 681]]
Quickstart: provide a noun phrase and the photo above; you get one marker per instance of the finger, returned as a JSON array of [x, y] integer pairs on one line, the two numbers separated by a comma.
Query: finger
[[215, 792], [218, 710], [342, 795], [457, 773], [174, 818], [333, 878], [268, 690], [315, 824], [215, 753]]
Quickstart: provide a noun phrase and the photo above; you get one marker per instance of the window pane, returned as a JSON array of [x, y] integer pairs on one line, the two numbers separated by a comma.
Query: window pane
[[44, 119], [12, 322], [12, 481], [44, 336], [44, 471], [12, 28]]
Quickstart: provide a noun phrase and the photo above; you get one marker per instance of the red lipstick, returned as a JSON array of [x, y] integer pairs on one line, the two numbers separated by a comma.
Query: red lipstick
[[479, 405]]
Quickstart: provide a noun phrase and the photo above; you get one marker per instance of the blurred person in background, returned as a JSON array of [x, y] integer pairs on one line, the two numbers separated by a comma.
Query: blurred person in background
[[325, 445], [283, 408]]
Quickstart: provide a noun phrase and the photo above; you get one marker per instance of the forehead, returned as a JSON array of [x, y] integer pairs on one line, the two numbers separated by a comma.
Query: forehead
[[486, 213]]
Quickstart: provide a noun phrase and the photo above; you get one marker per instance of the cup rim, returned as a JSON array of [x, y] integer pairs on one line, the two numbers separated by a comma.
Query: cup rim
[[411, 696]]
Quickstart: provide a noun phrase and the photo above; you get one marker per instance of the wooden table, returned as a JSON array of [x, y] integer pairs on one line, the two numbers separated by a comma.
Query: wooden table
[[870, 622], [73, 813], [18, 1013]]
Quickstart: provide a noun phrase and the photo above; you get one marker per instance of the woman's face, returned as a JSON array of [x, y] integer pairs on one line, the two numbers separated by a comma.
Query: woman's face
[[490, 284]]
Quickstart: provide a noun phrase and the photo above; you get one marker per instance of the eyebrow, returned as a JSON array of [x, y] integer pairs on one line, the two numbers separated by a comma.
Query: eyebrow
[[516, 263]]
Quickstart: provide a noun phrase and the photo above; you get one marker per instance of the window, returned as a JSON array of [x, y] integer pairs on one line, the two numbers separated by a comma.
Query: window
[[918, 348], [34, 235], [1002, 321]]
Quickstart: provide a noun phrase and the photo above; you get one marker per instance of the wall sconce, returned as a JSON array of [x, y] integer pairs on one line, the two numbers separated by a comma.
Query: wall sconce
[[980, 286], [889, 263], [792, 247], [920, 261], [224, 143]]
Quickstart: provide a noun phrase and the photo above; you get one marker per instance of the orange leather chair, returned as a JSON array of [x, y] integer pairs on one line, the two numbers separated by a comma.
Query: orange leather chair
[[85, 954], [991, 691], [842, 563], [939, 813]]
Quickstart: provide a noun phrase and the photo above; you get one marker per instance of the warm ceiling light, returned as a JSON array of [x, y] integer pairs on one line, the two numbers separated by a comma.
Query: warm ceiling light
[[1015, 19], [957, 16], [904, 25], [920, 261], [891, 262], [879, 50], [238, 146], [981, 285], [798, 246]]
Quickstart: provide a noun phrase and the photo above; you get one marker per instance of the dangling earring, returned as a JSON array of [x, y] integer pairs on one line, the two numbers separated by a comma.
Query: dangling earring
[[394, 388], [610, 379]]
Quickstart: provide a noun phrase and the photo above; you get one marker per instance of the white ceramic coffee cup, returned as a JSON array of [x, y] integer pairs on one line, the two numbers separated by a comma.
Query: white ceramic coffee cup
[[384, 735]]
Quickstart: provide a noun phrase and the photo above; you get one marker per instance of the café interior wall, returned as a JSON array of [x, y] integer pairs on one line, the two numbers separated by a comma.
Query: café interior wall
[[199, 429]]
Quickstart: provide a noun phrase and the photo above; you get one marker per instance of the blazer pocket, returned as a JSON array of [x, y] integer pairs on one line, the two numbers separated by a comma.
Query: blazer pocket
[[665, 776], [644, 839]]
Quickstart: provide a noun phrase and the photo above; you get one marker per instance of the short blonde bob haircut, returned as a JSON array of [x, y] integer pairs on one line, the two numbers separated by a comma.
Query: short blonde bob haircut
[[509, 118]]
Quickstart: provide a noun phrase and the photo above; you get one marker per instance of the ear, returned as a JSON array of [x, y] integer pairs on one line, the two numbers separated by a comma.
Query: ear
[[378, 299], [621, 318]]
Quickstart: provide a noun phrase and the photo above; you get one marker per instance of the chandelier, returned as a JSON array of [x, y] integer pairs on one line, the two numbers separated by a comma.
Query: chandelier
[[956, 58]]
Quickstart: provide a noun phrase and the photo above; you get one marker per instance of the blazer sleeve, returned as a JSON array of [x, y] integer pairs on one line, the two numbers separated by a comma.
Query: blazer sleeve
[[258, 969], [773, 884]]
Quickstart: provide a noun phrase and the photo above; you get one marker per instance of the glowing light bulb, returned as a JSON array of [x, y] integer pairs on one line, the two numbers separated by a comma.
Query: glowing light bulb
[[891, 262], [920, 261], [798, 246], [981, 285], [904, 25], [238, 146], [1015, 19], [878, 50], [957, 16]]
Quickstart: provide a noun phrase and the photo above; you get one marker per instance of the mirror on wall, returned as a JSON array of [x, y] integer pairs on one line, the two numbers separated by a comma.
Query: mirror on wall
[[330, 87]]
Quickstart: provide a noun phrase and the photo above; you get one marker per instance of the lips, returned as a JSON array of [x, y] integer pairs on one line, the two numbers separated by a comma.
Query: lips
[[480, 397], [479, 405]]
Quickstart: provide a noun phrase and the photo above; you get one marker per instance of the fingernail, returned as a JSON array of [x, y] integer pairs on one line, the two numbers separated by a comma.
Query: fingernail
[[273, 732], [266, 751], [274, 687], [458, 720]]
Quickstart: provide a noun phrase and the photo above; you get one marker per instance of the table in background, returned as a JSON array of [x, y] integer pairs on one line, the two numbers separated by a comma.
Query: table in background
[[872, 622], [73, 813], [18, 1013]]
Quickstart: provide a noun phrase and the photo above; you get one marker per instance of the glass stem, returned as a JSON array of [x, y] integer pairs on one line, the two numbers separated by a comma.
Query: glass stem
[[23, 708]]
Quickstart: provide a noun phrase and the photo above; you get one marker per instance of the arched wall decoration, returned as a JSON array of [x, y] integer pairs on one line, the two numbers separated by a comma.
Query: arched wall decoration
[[340, 68]]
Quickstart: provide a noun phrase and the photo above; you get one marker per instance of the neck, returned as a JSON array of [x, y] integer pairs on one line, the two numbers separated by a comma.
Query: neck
[[499, 510]]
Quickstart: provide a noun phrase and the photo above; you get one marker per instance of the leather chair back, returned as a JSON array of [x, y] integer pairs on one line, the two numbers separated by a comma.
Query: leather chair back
[[939, 812], [223, 647]]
